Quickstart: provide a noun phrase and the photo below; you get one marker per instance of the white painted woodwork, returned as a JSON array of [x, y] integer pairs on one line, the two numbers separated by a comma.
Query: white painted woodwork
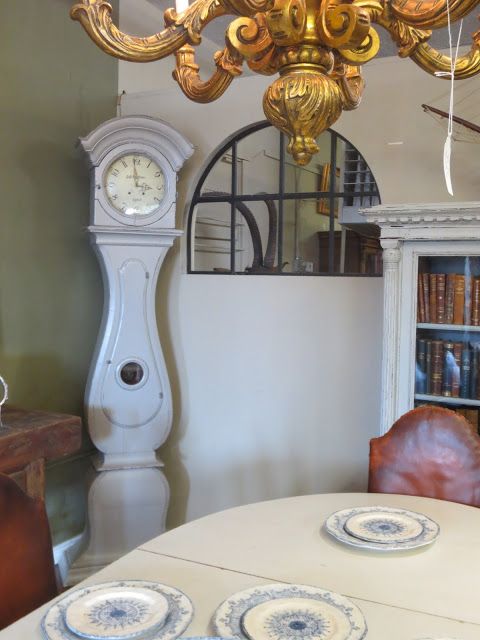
[[409, 231], [129, 494]]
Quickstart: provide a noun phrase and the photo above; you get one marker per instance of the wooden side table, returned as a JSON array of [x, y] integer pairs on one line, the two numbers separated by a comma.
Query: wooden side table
[[28, 439]]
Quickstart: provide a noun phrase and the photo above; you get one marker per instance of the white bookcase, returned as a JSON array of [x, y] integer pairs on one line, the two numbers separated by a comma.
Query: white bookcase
[[437, 238]]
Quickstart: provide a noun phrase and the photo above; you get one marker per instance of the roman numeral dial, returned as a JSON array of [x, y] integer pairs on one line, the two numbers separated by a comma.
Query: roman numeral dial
[[134, 184]]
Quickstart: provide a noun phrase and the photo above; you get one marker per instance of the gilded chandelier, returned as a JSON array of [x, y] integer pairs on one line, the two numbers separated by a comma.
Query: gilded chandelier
[[316, 46]]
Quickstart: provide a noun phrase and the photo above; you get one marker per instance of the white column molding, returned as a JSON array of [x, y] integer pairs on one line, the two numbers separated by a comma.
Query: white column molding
[[391, 315]]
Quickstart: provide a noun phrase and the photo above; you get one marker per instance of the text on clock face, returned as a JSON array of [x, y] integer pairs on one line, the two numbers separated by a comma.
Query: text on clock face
[[135, 184]]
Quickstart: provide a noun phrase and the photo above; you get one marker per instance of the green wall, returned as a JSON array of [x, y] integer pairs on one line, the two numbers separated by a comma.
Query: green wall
[[55, 86]]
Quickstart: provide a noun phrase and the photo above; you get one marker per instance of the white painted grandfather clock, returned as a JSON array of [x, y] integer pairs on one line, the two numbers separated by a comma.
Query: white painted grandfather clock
[[134, 164]]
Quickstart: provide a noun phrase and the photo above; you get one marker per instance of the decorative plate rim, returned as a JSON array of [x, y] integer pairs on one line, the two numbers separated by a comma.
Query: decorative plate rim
[[133, 635], [185, 610], [227, 623], [334, 525], [386, 512], [312, 607]]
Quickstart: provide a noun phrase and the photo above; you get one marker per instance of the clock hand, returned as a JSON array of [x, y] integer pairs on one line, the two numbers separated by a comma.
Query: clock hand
[[135, 174]]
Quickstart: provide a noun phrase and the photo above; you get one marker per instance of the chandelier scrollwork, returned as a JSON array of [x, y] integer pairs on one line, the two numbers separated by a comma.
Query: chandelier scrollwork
[[316, 46]]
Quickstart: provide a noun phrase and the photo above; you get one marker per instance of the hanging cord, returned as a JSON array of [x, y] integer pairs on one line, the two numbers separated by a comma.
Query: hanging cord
[[447, 148]]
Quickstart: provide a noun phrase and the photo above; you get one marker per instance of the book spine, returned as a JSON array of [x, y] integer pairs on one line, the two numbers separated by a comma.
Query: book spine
[[420, 370], [476, 302], [433, 297], [474, 373], [468, 308], [426, 295], [459, 299], [421, 300], [437, 367], [428, 366], [465, 372], [457, 353], [447, 370], [441, 298], [449, 295]]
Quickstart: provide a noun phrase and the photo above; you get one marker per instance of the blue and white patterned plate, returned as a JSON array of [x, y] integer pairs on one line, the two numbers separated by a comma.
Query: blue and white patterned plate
[[289, 612], [382, 528], [180, 611], [116, 613]]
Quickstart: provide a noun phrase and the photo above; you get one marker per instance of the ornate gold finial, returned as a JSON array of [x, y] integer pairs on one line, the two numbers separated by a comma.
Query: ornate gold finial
[[317, 47]]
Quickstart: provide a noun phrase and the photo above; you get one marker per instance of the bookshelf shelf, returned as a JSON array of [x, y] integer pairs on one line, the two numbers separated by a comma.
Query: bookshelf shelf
[[447, 327], [447, 400]]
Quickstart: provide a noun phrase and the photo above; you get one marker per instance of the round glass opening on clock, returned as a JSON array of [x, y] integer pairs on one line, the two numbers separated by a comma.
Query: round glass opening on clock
[[131, 373], [135, 184]]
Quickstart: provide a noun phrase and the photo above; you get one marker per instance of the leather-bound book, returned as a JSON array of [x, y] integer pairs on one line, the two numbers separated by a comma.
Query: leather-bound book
[[459, 299], [426, 295], [457, 353], [421, 300], [420, 369], [441, 298], [468, 309], [465, 372], [474, 373], [433, 297], [437, 367], [428, 366], [449, 295], [476, 302], [448, 368]]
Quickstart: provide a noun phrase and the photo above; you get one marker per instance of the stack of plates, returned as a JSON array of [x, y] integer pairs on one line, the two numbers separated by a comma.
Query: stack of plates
[[287, 612], [128, 610], [382, 528]]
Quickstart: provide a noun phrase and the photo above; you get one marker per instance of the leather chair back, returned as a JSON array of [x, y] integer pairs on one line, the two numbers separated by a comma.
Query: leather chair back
[[431, 452], [27, 575]]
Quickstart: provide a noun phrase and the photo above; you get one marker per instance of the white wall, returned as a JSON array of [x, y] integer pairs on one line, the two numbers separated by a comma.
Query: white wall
[[276, 380]]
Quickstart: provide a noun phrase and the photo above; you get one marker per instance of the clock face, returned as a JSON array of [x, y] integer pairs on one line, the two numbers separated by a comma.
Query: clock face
[[135, 184]]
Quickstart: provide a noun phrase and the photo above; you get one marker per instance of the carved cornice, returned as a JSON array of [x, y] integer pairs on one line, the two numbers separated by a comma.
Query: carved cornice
[[441, 214]]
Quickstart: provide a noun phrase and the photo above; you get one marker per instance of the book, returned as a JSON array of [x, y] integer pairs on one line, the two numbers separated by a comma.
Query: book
[[440, 298], [436, 367], [459, 299], [457, 353], [465, 372], [474, 373], [421, 300], [476, 302], [428, 366], [433, 297], [468, 299], [449, 294], [426, 295], [420, 369], [448, 368]]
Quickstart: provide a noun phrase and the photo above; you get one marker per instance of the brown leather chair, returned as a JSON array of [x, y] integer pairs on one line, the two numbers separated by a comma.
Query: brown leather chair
[[27, 575], [431, 452]]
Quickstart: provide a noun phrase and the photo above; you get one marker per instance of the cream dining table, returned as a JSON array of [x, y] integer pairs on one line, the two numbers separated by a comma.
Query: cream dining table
[[432, 592]]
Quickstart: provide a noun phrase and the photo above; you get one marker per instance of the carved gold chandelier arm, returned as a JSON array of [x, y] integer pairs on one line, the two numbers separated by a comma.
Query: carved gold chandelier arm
[[229, 65], [351, 84], [431, 60], [96, 18], [431, 14], [251, 38]]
